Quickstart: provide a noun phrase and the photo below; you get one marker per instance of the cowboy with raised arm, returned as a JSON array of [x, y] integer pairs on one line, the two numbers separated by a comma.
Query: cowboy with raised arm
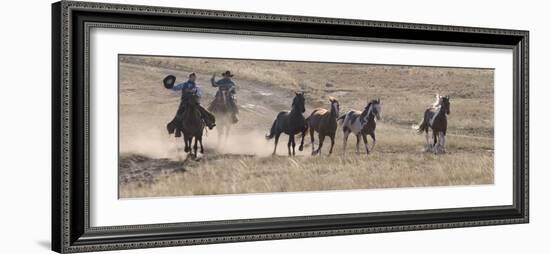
[[188, 89], [226, 84]]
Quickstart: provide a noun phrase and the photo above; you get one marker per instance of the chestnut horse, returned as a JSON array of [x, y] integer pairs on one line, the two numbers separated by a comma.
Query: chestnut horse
[[323, 122]]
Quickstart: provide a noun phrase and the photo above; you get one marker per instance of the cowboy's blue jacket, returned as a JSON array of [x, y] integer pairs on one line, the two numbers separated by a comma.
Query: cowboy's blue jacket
[[188, 85], [224, 83]]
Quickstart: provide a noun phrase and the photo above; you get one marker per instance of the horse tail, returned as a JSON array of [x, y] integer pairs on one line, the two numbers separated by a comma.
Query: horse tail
[[340, 119], [422, 126], [272, 131]]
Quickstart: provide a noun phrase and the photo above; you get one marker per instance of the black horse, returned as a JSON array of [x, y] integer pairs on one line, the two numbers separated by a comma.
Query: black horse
[[193, 125], [290, 123], [436, 119]]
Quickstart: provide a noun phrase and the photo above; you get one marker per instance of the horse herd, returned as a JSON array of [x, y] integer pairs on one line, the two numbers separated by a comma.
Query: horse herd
[[325, 123], [360, 123]]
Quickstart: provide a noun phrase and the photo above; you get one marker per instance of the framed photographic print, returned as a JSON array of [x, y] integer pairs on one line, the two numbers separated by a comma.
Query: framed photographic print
[[181, 126]]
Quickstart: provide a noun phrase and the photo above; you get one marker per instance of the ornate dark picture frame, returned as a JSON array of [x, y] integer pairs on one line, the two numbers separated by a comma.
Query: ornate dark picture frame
[[71, 231]]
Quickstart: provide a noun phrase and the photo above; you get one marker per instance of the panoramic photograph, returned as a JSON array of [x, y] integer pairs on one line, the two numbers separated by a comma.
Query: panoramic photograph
[[213, 126]]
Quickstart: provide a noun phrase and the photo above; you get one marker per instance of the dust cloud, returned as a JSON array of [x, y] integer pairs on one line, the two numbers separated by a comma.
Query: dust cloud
[[155, 142]]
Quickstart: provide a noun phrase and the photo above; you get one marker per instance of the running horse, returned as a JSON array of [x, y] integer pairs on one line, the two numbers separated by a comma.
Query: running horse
[[323, 122], [361, 124], [291, 123], [435, 118], [193, 125], [221, 108]]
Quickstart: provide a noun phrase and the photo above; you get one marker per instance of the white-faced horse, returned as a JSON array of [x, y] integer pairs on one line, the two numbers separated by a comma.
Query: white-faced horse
[[361, 124]]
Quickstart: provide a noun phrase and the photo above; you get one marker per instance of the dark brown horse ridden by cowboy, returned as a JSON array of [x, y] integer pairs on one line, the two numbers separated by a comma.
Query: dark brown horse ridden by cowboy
[[225, 85], [189, 90]]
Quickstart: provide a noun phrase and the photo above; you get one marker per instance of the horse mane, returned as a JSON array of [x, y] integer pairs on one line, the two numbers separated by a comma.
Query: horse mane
[[190, 99], [332, 101], [437, 102], [295, 99], [366, 110]]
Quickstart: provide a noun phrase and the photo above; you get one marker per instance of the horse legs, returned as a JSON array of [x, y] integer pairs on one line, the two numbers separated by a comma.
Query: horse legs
[[346, 135], [445, 141], [321, 141], [442, 140], [373, 141], [195, 146], [312, 135], [187, 144], [366, 143], [301, 148], [293, 146], [331, 143], [436, 144], [427, 147], [357, 144], [276, 142], [200, 142], [289, 144]]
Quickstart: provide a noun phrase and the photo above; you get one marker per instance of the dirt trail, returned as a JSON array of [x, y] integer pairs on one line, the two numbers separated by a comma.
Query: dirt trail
[[148, 152]]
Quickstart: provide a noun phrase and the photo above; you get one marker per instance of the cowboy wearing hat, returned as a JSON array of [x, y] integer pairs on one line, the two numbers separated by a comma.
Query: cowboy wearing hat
[[226, 84], [188, 88]]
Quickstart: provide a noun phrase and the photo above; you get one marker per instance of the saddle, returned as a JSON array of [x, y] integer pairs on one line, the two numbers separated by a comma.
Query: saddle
[[187, 100], [219, 104]]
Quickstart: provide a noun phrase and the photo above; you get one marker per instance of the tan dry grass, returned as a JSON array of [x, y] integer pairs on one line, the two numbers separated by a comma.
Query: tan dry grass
[[398, 160], [306, 173]]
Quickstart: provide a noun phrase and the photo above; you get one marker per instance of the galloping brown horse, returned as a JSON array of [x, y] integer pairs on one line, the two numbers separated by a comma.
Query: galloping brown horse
[[222, 108], [323, 122]]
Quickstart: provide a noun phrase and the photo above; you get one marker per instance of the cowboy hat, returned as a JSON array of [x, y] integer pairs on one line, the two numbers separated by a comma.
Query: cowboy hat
[[227, 73], [169, 81]]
